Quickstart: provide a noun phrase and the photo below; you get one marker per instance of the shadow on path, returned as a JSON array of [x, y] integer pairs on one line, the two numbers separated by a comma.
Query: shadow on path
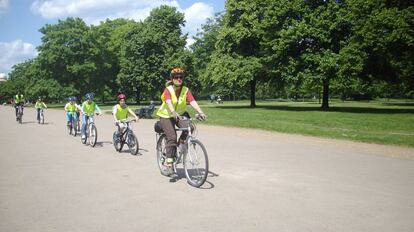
[[181, 175]]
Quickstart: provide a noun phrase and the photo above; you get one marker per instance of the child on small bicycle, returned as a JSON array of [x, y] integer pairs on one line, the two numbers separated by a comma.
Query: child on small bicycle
[[174, 103], [70, 108], [40, 105], [88, 110], [120, 113]]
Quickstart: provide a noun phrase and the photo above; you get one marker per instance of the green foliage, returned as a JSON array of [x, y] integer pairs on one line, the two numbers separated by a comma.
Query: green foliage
[[151, 49], [352, 49]]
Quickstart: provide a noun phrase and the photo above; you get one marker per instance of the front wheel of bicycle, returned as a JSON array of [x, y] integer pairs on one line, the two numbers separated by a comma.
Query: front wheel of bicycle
[[132, 143], [117, 141], [93, 135], [161, 157], [42, 118], [196, 163]]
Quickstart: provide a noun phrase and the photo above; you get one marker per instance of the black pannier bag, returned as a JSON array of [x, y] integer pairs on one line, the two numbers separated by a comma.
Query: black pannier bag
[[157, 127]]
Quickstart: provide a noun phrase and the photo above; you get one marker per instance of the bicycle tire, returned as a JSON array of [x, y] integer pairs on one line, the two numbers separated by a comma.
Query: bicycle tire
[[93, 135], [41, 118], [195, 168], [162, 140], [132, 143], [117, 145], [84, 139], [70, 128]]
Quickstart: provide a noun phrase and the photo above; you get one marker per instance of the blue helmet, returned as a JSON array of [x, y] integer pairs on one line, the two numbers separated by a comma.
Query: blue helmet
[[89, 96], [70, 98]]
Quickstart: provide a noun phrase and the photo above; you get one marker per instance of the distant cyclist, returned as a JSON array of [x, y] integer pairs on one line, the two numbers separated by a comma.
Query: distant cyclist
[[120, 112], [39, 106], [174, 103], [70, 108], [18, 101], [88, 109]]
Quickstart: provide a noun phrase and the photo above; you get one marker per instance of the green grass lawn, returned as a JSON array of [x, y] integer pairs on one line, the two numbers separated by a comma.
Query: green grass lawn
[[375, 121], [383, 122]]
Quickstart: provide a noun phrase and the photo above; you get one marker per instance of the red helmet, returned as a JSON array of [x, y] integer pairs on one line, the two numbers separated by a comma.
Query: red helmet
[[121, 96]]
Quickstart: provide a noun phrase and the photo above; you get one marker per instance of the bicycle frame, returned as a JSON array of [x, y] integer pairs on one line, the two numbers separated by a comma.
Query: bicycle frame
[[125, 132], [187, 140]]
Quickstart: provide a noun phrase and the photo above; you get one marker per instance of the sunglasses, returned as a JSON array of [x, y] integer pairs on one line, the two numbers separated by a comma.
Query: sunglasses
[[178, 77]]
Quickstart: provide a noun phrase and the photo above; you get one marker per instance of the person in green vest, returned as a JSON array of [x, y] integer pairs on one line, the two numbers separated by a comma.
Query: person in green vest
[[175, 98], [18, 101], [70, 108], [88, 110], [39, 106], [120, 113]]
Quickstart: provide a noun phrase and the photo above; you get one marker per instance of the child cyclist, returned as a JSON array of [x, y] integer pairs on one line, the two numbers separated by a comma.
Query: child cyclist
[[88, 110], [70, 108], [40, 105], [120, 112]]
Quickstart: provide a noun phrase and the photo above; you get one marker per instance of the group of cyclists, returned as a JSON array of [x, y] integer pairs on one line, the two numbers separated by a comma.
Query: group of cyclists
[[175, 99]]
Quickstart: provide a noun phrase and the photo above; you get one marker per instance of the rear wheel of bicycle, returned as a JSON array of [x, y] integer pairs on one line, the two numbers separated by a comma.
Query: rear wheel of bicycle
[[93, 135], [117, 142], [132, 143], [161, 157], [196, 163]]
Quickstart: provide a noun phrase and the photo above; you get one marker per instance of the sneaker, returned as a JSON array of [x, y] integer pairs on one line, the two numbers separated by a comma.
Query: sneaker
[[83, 136]]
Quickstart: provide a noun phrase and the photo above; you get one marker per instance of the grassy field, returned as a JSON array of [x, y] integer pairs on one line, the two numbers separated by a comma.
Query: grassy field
[[383, 122]]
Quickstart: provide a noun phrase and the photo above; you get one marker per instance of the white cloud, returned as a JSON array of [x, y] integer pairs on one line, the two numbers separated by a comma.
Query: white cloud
[[195, 16], [95, 11], [4, 6], [15, 52]]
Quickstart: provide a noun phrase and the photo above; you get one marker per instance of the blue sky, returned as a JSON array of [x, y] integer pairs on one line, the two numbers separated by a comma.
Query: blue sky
[[20, 20]]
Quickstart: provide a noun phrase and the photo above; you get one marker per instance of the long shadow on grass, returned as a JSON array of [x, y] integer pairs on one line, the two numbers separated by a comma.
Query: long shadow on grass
[[331, 109]]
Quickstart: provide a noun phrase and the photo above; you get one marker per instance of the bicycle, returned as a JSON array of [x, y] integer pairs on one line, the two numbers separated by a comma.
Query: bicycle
[[19, 113], [73, 124], [91, 132], [195, 160], [127, 136], [41, 119]]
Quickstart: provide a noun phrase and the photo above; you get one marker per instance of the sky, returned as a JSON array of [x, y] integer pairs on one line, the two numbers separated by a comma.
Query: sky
[[20, 20]]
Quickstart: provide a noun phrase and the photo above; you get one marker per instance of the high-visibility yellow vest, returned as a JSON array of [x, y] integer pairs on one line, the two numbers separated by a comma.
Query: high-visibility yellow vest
[[89, 108], [180, 103], [19, 98], [39, 105], [121, 113], [70, 107]]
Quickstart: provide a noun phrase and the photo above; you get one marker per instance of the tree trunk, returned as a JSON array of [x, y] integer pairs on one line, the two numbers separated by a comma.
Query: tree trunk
[[253, 93], [325, 95]]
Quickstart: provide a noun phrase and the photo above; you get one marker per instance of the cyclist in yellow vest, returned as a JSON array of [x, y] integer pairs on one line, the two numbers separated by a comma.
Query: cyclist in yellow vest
[[88, 110], [121, 111], [174, 103], [39, 106], [70, 108], [18, 101]]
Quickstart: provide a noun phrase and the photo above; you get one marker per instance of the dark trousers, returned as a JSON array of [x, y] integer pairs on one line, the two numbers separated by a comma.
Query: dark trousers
[[168, 125]]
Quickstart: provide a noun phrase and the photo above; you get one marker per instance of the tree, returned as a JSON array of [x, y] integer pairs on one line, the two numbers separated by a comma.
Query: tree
[[67, 54], [151, 49], [203, 48], [237, 61]]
